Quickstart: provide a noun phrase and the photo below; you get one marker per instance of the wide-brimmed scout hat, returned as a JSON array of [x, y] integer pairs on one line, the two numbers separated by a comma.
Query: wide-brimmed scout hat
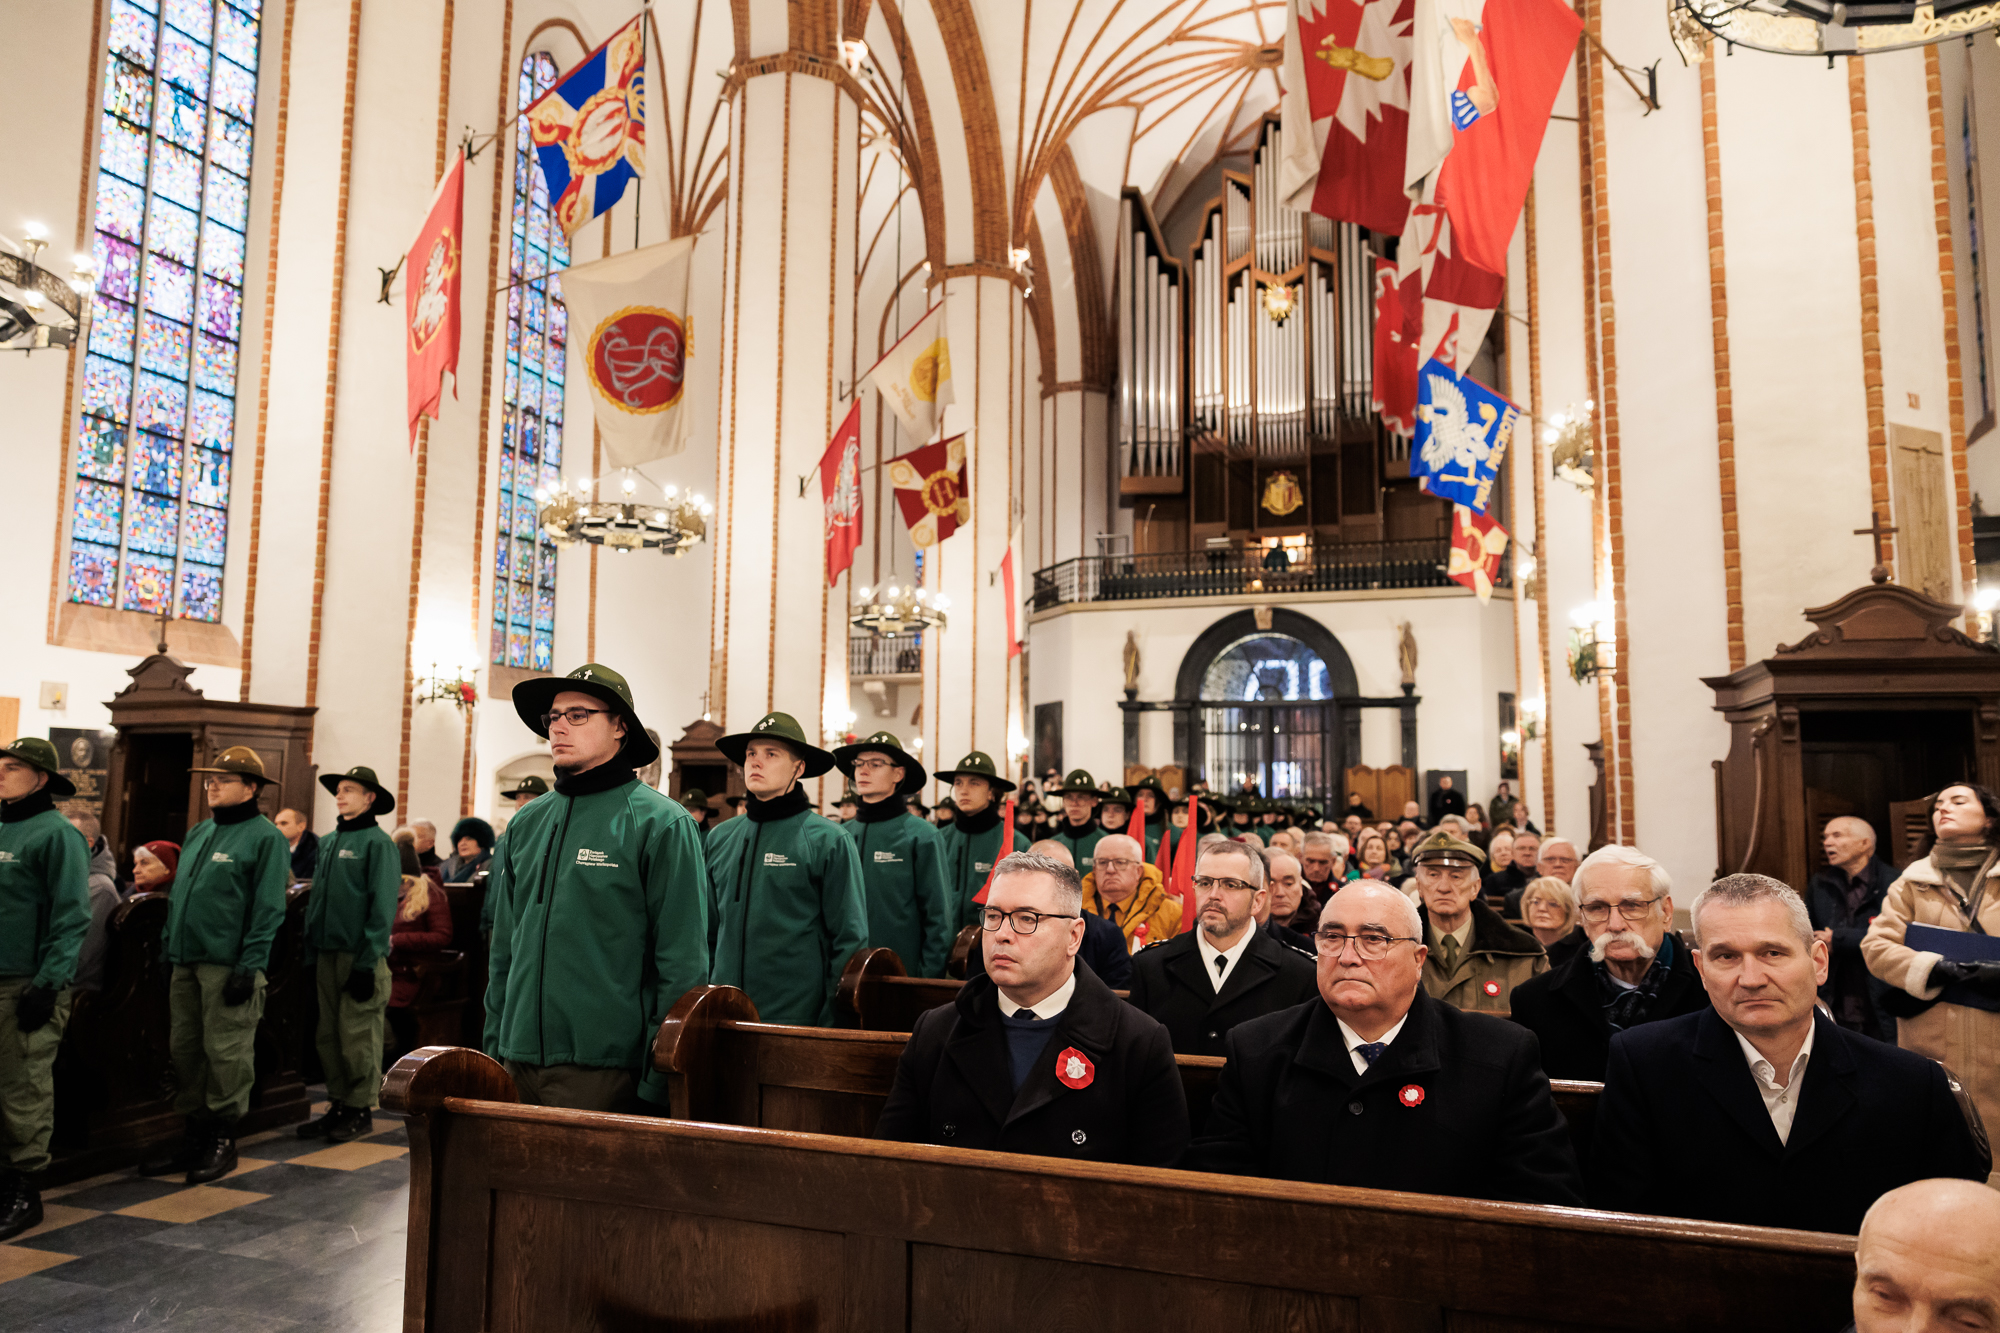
[[531, 786], [1151, 783], [694, 798], [1114, 794], [777, 727], [978, 764], [240, 761], [1441, 849], [886, 743], [1078, 783], [534, 698], [38, 753], [385, 800]]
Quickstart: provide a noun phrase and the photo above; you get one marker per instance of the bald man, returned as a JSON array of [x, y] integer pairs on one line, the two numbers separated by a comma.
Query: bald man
[[1841, 900], [1927, 1262]]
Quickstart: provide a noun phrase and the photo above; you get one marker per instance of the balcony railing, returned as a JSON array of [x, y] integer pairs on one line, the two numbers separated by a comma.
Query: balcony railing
[[898, 655], [1343, 567]]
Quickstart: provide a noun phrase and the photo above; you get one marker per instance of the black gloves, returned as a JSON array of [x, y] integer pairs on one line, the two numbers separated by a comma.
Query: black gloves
[[361, 985], [34, 1009], [1981, 977], [240, 987]]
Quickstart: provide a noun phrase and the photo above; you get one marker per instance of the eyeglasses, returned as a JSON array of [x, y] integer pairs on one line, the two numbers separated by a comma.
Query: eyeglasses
[[1025, 921], [871, 765], [1373, 945], [1114, 863], [1631, 909], [1203, 883], [576, 717]]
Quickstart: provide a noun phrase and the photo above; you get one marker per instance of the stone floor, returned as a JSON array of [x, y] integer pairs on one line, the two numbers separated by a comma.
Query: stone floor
[[300, 1235]]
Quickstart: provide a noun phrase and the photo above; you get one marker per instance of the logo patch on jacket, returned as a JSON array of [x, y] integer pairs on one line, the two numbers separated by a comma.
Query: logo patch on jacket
[[223, 858], [888, 859], [8, 857], [1074, 1070], [347, 855], [587, 857], [982, 865], [778, 859]]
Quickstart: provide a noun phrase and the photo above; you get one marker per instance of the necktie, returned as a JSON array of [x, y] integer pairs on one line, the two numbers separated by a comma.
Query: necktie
[[1221, 962], [1372, 1050], [1026, 1014], [1448, 948]]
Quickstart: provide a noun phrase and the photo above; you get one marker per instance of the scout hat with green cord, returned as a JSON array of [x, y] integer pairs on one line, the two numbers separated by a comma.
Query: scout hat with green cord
[[534, 698], [531, 786], [1442, 849], [777, 727], [240, 761], [1078, 783], [385, 801], [38, 753], [884, 743], [978, 764]]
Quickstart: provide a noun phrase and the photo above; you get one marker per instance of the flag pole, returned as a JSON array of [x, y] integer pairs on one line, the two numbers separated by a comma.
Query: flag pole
[[639, 182]]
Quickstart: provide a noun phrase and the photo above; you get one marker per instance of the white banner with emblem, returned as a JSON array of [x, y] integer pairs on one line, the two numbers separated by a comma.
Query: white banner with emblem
[[628, 323]]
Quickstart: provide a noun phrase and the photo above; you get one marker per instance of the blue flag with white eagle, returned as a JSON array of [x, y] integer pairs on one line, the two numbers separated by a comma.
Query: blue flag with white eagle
[[589, 131], [1463, 429]]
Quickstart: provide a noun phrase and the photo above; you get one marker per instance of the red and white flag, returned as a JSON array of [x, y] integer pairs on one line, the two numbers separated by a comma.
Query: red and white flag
[[431, 280], [1393, 391], [628, 321], [1458, 298], [840, 492], [1477, 543], [1007, 587], [1347, 82]]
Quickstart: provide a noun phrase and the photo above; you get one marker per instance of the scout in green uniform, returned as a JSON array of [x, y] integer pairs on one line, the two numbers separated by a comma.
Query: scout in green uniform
[[972, 844], [1114, 809], [228, 902], [347, 924], [902, 864], [1150, 796], [525, 791], [44, 912], [786, 909], [1267, 819], [602, 919], [1079, 830], [695, 801]]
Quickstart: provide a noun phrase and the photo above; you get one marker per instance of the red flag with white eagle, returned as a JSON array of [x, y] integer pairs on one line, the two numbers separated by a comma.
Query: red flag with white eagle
[[1347, 92], [1477, 543], [840, 493], [431, 281]]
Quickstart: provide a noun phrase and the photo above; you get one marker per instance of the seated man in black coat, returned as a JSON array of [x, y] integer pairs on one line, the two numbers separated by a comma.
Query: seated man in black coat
[[1634, 971], [1038, 1056], [1374, 1083], [1284, 889], [1760, 1110], [1205, 981]]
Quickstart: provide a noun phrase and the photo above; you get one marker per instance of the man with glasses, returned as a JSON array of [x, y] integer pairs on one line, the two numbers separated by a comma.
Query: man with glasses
[[1079, 830], [1635, 971], [1374, 1083], [602, 922], [902, 862], [1131, 894], [1039, 1056], [1475, 959], [1225, 971], [1555, 858]]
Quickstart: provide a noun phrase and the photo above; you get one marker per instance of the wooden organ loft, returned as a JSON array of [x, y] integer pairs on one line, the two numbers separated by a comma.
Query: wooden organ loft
[[1234, 425]]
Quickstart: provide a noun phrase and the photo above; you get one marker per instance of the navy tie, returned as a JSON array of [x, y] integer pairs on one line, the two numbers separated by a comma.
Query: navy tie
[[1026, 1015], [1372, 1050]]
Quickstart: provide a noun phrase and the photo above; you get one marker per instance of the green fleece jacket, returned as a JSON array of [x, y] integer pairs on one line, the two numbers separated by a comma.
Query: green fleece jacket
[[970, 845], [786, 909], [1082, 846], [229, 891], [902, 871], [600, 924], [44, 892], [354, 892]]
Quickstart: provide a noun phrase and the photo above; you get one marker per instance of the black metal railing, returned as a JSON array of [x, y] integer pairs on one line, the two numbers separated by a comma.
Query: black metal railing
[[1330, 567], [897, 655]]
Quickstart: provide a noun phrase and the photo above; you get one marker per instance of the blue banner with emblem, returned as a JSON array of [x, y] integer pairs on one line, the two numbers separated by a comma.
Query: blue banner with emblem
[[1463, 429], [589, 131]]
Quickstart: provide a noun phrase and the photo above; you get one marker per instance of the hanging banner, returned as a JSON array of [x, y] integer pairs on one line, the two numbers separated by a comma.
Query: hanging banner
[[1463, 429], [840, 494], [431, 280], [1347, 85], [628, 319], [931, 490], [914, 376], [589, 131], [1477, 543]]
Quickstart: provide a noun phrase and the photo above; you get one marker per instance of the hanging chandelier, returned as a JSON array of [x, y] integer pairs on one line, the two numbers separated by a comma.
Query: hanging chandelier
[[1824, 27], [671, 527], [893, 610], [37, 308]]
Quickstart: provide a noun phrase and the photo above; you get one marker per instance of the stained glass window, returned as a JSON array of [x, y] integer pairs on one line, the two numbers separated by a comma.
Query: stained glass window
[[524, 560], [149, 511]]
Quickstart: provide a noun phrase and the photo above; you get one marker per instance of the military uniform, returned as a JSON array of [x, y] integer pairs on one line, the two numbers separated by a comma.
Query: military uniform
[[347, 924], [902, 866], [971, 843], [786, 908], [602, 920], [1480, 963], [44, 914], [1081, 839]]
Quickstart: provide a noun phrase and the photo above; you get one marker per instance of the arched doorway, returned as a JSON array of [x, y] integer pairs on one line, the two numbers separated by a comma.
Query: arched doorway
[[1266, 705]]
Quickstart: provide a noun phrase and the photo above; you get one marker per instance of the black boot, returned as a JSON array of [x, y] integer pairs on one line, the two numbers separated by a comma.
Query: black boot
[[216, 1156], [176, 1156], [20, 1205], [320, 1128], [354, 1122]]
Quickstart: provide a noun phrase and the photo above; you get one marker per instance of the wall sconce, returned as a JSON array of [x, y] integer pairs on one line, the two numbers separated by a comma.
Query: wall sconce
[[1571, 457], [1527, 584], [1591, 641], [455, 688]]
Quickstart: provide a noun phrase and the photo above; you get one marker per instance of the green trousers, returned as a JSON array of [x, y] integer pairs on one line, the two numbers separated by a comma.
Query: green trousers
[[214, 1045], [350, 1032], [27, 1079], [576, 1087]]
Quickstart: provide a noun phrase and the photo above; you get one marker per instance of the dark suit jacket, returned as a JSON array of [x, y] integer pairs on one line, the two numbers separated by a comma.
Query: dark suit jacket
[[953, 1086], [1682, 1131], [1564, 1008], [1851, 991], [1457, 1105], [1104, 952], [1170, 982], [1286, 935]]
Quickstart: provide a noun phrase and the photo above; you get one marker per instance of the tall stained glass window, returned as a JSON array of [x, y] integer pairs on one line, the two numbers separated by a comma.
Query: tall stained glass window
[[531, 431], [150, 508]]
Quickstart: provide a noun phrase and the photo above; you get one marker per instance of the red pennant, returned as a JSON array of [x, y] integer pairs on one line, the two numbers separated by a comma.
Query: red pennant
[[1006, 846], [1183, 877]]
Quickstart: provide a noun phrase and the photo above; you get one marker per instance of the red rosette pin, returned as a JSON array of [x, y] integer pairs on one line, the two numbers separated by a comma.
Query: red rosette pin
[[1411, 1095], [1074, 1070], [1491, 988]]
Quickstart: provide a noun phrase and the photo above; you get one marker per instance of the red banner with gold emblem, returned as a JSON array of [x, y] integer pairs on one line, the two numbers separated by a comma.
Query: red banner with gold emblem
[[931, 490], [431, 280]]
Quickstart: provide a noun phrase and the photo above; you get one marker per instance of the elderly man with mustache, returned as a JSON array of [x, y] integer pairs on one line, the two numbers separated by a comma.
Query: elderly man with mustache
[[1635, 970]]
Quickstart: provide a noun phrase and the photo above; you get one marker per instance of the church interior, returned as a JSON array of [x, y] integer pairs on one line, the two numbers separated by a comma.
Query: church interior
[[1073, 387]]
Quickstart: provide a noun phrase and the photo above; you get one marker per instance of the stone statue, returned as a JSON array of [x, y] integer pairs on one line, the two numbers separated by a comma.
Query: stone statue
[[1406, 652], [1131, 662]]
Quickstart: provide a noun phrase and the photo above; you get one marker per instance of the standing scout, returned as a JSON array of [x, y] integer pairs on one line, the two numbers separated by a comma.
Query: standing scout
[[44, 912], [347, 925], [786, 909], [602, 920], [1079, 830], [1148, 795], [528, 789], [902, 862], [972, 844], [228, 902]]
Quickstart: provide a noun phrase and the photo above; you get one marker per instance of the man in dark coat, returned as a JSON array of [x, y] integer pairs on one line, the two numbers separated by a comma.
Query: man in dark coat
[[1841, 900], [1635, 971], [1510, 879], [1373, 1083], [1285, 902], [1038, 1056], [1225, 971], [1446, 800], [1760, 1111]]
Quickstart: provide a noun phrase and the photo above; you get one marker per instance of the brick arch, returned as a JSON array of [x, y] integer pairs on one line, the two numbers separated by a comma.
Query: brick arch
[[1093, 320]]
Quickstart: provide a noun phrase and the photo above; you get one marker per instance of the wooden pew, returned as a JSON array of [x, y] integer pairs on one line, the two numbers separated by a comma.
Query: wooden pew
[[530, 1218]]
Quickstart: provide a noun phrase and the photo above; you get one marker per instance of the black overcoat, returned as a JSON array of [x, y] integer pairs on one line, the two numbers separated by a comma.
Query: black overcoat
[[1564, 1008], [1169, 982]]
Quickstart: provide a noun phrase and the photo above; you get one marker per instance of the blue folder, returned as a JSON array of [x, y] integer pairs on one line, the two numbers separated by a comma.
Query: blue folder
[[1958, 946]]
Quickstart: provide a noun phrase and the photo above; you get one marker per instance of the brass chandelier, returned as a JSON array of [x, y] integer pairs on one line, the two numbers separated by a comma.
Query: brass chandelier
[[892, 610], [672, 527]]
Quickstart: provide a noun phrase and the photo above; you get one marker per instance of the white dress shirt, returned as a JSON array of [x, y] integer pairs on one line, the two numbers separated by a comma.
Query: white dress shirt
[[1781, 1102], [1354, 1042], [1051, 1004], [1209, 953]]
